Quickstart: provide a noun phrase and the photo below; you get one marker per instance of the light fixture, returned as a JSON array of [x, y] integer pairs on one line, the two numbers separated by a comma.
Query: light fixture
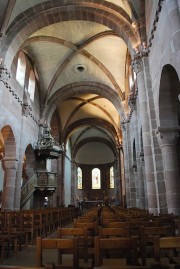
[[80, 68]]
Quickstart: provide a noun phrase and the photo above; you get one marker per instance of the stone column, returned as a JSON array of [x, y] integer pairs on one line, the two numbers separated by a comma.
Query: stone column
[[123, 191], [17, 197], [129, 174], [10, 168], [167, 138], [54, 169], [143, 188], [62, 177], [60, 181], [139, 174], [126, 167], [73, 183], [138, 65], [118, 176]]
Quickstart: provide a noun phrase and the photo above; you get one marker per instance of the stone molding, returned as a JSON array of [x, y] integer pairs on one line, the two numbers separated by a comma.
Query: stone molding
[[26, 109], [4, 73], [140, 53], [167, 135], [9, 163], [156, 19]]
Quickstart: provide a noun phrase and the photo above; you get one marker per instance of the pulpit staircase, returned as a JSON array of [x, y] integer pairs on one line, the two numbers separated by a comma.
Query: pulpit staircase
[[42, 181]]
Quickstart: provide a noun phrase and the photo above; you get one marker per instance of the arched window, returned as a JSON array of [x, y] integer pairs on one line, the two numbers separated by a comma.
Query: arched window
[[112, 177], [21, 69], [79, 177], [96, 178], [31, 86]]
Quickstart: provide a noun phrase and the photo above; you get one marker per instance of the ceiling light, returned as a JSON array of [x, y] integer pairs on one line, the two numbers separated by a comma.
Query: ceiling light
[[80, 68]]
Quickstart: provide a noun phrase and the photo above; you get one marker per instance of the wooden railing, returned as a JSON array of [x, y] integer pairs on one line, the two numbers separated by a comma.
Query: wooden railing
[[28, 189], [41, 180]]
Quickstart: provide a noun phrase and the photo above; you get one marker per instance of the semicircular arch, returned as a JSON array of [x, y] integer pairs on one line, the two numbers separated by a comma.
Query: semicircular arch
[[89, 122], [44, 14], [94, 139], [9, 141], [79, 88]]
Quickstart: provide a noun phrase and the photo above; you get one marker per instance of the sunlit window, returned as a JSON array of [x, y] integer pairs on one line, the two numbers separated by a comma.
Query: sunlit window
[[112, 177], [79, 177], [21, 69], [96, 178], [31, 86]]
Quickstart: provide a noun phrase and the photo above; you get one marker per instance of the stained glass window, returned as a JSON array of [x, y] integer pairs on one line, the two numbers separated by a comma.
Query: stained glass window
[[112, 177], [96, 178], [79, 178]]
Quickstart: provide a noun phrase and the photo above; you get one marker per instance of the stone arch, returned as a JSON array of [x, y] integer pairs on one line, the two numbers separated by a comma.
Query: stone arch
[[44, 14], [92, 122], [81, 88], [169, 105], [29, 163], [9, 166], [94, 139], [9, 142], [168, 135]]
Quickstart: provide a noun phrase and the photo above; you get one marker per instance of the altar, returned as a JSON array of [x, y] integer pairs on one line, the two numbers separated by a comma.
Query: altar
[[92, 203]]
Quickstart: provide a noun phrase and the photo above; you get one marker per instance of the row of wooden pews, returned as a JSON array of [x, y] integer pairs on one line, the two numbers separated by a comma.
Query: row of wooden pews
[[125, 238], [20, 228]]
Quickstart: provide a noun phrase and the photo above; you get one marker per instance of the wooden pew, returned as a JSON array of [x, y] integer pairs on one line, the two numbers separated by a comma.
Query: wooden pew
[[127, 244], [92, 230], [107, 232], [169, 245], [59, 244], [117, 224], [148, 237], [81, 234]]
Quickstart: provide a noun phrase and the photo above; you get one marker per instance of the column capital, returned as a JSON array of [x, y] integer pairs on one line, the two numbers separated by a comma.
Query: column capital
[[9, 163], [139, 54], [167, 135]]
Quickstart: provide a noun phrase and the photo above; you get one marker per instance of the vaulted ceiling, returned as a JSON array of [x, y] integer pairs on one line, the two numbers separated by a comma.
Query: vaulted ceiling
[[82, 68]]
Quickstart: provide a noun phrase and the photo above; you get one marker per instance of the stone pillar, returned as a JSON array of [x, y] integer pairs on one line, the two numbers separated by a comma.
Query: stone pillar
[[123, 191], [118, 176], [62, 177], [17, 197], [10, 169], [142, 184], [139, 173], [129, 174], [60, 182], [54, 169], [73, 183], [138, 65], [126, 167], [167, 138]]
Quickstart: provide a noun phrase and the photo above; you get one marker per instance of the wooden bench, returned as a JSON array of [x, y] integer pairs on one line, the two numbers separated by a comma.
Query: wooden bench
[[117, 224], [81, 234], [59, 244], [107, 232], [170, 246], [129, 245], [148, 236]]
